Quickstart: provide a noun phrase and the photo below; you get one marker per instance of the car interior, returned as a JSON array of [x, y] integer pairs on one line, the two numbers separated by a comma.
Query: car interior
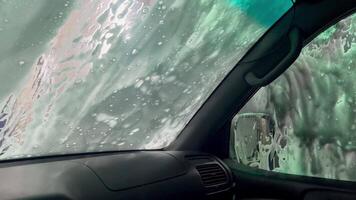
[[198, 163]]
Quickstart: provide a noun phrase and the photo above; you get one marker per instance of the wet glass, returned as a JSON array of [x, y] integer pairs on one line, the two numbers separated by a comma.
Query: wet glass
[[88, 76], [313, 105]]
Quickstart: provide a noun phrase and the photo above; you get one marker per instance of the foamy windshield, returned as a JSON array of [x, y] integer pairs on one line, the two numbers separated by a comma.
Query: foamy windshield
[[88, 76]]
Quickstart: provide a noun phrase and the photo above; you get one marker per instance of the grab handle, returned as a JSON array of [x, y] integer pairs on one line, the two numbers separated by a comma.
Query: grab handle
[[295, 40]]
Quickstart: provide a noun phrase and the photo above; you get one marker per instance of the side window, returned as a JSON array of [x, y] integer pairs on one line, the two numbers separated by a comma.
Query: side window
[[304, 123]]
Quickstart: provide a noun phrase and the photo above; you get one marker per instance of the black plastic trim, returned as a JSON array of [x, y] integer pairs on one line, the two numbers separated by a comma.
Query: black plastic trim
[[309, 17]]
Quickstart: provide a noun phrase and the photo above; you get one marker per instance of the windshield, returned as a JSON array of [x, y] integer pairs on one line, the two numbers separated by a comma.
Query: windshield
[[88, 76]]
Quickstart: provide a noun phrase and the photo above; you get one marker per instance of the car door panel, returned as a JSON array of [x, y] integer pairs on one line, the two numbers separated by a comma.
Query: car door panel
[[259, 184]]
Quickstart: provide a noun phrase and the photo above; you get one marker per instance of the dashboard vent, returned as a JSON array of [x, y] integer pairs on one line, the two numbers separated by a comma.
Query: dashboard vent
[[212, 174], [199, 158]]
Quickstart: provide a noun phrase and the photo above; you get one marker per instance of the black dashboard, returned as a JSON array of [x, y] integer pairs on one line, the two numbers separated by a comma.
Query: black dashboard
[[124, 175]]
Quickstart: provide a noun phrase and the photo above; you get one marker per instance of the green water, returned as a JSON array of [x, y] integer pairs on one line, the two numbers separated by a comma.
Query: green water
[[314, 106], [87, 76], [265, 12]]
